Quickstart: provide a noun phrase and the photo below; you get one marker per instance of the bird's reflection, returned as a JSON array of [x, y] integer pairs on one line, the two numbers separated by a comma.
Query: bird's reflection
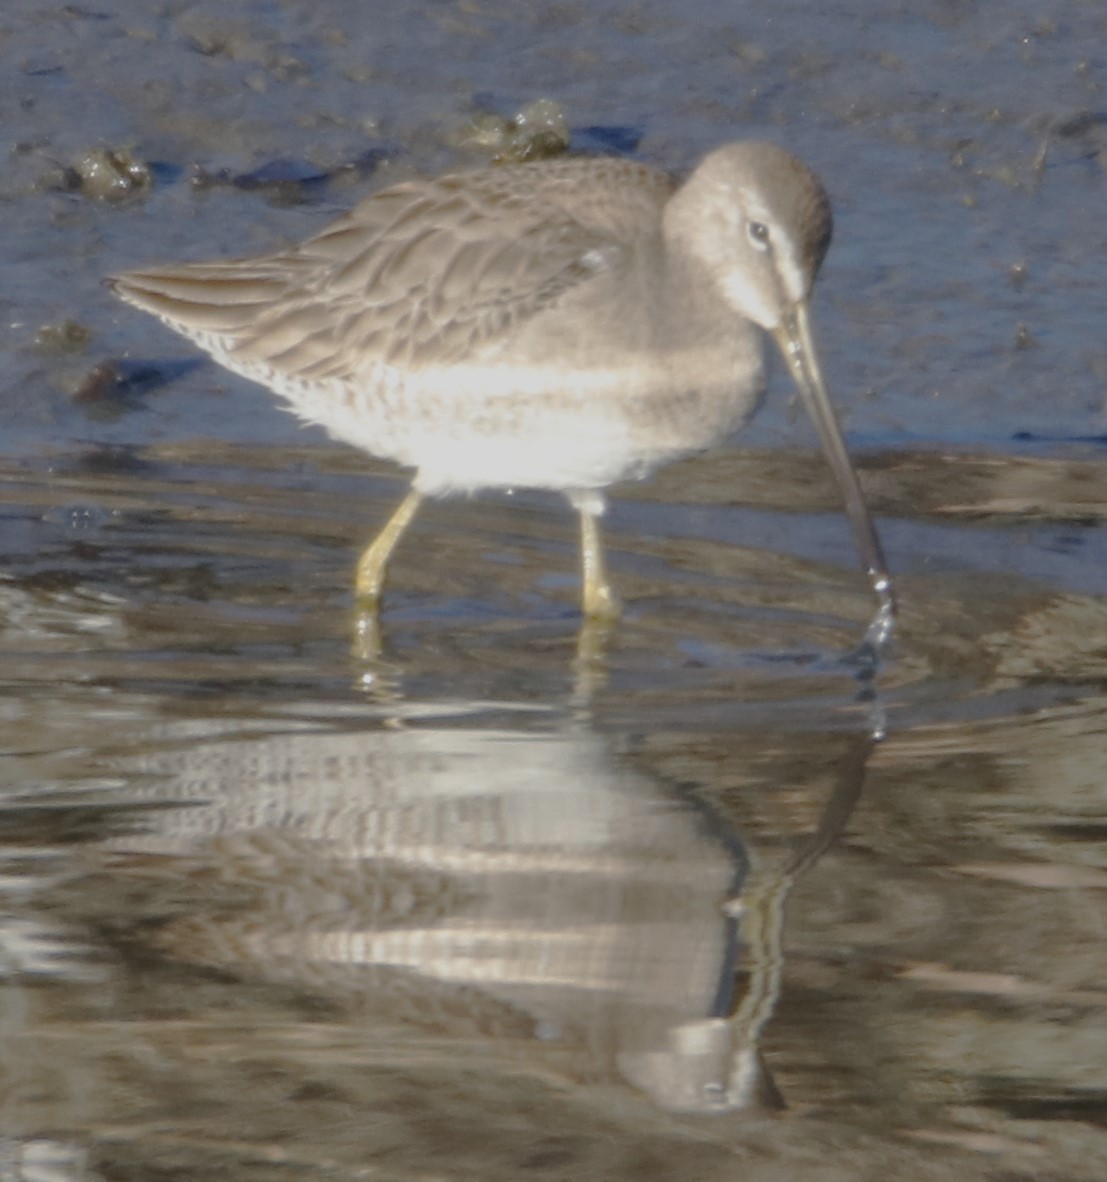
[[488, 882]]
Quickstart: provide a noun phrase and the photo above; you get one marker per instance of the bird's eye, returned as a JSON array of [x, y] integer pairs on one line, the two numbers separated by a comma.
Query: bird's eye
[[759, 235]]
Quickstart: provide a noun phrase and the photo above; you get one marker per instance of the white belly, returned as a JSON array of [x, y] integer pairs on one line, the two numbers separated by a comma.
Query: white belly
[[466, 428]]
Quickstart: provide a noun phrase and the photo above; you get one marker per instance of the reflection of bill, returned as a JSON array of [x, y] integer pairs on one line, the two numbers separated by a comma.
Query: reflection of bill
[[714, 1064], [485, 884]]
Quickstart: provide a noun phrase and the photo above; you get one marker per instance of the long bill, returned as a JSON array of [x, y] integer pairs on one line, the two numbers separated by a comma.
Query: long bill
[[793, 335]]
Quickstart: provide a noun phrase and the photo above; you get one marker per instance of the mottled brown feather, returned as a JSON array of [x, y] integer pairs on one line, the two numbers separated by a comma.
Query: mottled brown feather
[[421, 273]]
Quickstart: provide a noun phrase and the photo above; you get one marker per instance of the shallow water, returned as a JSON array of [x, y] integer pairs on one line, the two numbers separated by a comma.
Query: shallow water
[[474, 910], [269, 907]]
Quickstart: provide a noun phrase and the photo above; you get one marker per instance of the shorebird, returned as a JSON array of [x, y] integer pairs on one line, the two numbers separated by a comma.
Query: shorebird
[[563, 325]]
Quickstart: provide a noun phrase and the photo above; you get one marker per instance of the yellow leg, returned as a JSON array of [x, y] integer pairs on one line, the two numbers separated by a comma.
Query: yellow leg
[[374, 559], [599, 602]]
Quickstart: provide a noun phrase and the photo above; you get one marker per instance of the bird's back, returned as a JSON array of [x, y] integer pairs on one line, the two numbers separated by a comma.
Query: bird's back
[[425, 273]]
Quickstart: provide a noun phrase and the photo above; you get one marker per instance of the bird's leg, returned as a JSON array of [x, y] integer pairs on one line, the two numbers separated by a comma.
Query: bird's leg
[[598, 601], [374, 559], [599, 604]]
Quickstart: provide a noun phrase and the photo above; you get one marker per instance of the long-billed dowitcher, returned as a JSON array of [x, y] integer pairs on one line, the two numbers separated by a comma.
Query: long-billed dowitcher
[[557, 325]]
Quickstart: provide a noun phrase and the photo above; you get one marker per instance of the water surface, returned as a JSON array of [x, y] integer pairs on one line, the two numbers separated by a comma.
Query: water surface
[[471, 911]]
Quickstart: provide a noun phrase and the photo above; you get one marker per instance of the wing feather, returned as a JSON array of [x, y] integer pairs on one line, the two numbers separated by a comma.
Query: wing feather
[[424, 272]]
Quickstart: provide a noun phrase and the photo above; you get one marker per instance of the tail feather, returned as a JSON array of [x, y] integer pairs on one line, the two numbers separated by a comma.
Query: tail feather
[[222, 298]]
